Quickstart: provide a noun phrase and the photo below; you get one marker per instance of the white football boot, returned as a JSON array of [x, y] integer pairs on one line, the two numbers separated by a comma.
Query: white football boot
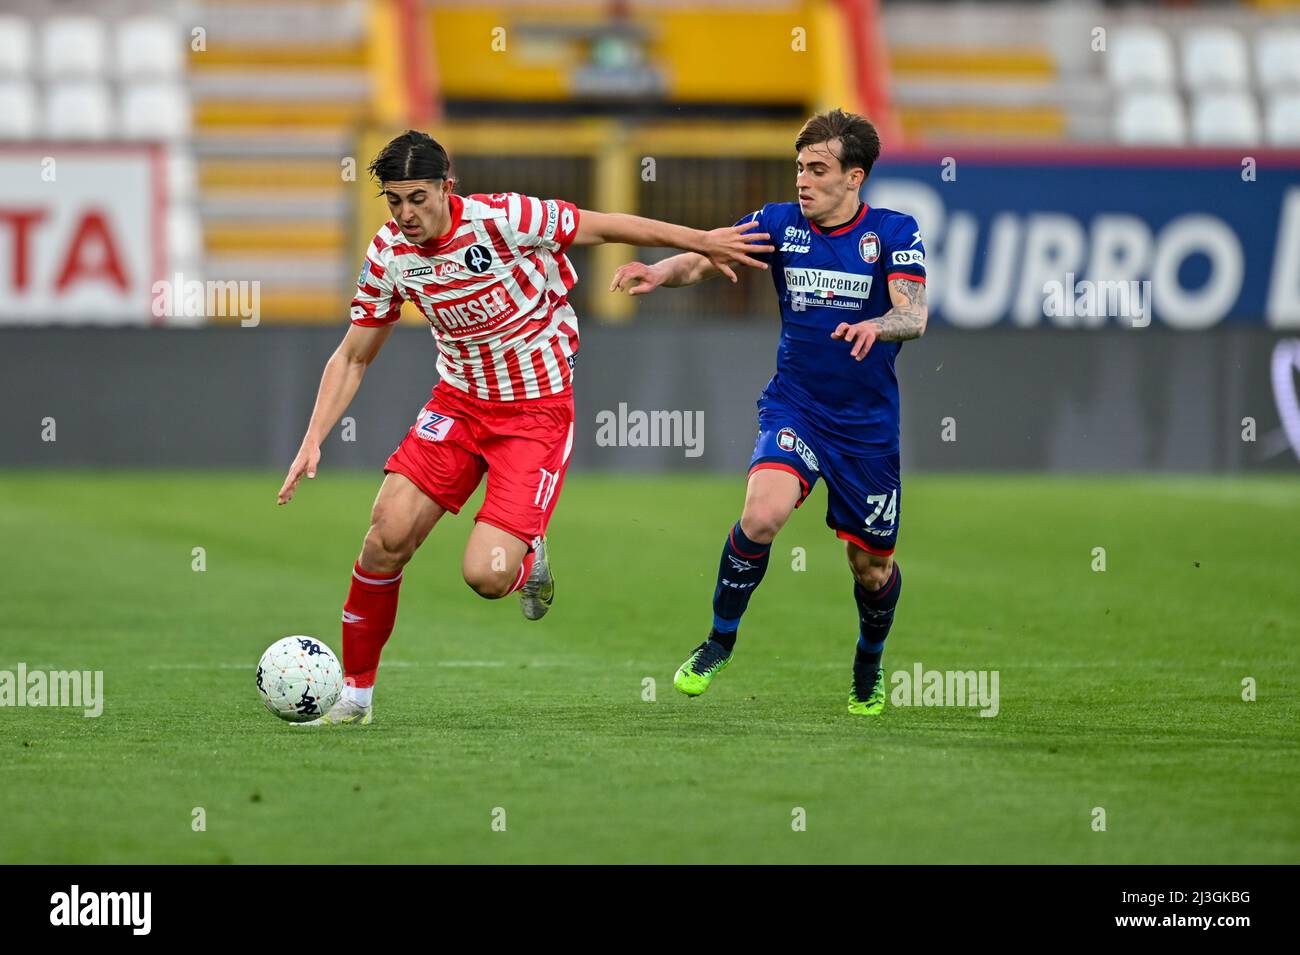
[[344, 712]]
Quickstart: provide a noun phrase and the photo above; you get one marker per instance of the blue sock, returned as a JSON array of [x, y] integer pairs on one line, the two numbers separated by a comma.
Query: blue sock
[[875, 616], [741, 568]]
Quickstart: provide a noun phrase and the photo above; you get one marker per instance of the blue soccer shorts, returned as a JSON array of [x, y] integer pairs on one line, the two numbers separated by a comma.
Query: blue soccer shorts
[[863, 494]]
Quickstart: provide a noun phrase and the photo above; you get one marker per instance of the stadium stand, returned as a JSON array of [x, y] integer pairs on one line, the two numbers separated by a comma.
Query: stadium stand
[[279, 91], [105, 73], [265, 107], [1082, 73]]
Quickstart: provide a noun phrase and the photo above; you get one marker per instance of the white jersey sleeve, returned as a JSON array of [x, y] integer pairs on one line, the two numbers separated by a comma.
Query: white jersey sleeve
[[378, 298], [551, 224]]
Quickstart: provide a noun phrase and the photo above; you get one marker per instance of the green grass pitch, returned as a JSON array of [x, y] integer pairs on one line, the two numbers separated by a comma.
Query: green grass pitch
[[1119, 689]]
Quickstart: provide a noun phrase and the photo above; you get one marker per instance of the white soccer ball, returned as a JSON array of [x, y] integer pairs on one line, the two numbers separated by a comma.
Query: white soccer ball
[[299, 678]]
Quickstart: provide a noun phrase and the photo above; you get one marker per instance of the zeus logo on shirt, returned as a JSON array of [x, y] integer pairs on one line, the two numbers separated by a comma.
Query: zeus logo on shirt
[[796, 240], [827, 287], [491, 306]]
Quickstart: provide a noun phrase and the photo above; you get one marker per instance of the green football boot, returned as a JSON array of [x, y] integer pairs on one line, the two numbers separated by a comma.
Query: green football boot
[[708, 660], [867, 694]]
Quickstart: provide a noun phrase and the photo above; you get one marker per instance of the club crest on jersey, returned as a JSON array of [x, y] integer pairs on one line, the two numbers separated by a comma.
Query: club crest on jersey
[[432, 426], [869, 247], [787, 440], [478, 259]]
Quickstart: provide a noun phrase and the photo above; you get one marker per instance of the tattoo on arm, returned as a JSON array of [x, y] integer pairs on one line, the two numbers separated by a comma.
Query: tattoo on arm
[[906, 321]]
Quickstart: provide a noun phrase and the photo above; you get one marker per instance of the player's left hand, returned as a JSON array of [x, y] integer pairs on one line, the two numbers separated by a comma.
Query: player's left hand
[[862, 335], [735, 245]]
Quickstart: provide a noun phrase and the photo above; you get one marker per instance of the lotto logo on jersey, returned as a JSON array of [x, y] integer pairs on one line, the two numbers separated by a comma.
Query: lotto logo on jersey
[[909, 257], [869, 247], [787, 440], [432, 426]]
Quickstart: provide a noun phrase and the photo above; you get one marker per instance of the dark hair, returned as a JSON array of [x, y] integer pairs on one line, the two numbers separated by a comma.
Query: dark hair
[[859, 141], [412, 155]]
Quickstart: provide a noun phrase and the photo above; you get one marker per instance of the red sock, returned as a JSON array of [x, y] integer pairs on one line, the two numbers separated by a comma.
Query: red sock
[[368, 617], [525, 569]]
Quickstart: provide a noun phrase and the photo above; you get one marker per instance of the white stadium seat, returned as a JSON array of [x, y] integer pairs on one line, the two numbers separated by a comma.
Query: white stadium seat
[[18, 110], [184, 236], [1140, 56], [78, 109], [1150, 119], [182, 175], [15, 46], [155, 111], [148, 46], [1225, 119], [73, 46], [1283, 123], [1277, 59], [1215, 58]]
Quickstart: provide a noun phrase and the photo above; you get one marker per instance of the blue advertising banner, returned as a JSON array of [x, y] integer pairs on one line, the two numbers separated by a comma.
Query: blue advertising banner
[[1079, 238]]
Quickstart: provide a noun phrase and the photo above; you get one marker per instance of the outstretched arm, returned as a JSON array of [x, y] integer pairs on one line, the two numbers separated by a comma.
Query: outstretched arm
[[905, 321], [637, 278], [722, 248], [338, 386]]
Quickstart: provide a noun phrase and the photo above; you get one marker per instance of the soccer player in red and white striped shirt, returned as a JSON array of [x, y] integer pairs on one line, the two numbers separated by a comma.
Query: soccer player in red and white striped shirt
[[490, 274]]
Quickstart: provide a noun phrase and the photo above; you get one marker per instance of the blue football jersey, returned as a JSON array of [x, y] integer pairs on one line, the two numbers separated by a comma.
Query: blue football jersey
[[823, 279]]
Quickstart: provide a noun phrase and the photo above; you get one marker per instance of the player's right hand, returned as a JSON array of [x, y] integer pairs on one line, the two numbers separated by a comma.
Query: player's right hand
[[305, 463], [636, 278]]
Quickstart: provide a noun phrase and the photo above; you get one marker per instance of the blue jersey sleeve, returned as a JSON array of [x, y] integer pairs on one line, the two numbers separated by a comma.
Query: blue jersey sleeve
[[759, 217], [905, 252]]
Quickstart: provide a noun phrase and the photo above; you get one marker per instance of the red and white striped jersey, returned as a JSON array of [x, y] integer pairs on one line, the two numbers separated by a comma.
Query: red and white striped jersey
[[494, 290]]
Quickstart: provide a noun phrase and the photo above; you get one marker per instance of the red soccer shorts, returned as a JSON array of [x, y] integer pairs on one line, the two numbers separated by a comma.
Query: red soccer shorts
[[522, 446]]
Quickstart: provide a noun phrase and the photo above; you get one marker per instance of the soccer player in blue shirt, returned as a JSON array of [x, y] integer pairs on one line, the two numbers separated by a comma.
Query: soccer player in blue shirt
[[850, 281]]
